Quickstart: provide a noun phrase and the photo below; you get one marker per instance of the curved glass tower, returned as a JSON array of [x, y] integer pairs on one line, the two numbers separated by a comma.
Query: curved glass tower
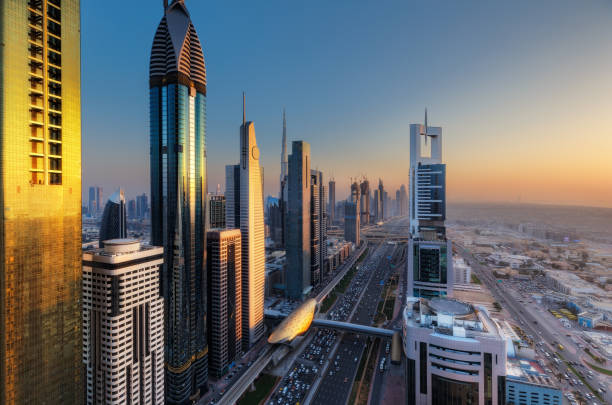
[[114, 224], [178, 203]]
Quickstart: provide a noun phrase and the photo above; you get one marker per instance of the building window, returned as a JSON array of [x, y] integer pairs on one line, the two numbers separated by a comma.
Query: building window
[[423, 368]]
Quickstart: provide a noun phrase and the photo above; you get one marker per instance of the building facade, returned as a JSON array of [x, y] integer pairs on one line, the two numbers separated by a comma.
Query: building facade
[[454, 354], [430, 265], [315, 228], [114, 219], [216, 207], [123, 324], [40, 201], [332, 202], [298, 222], [225, 299], [352, 232], [178, 197], [364, 205], [284, 187], [245, 211]]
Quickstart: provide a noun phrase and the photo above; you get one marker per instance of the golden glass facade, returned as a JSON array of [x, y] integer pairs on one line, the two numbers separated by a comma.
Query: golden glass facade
[[40, 198]]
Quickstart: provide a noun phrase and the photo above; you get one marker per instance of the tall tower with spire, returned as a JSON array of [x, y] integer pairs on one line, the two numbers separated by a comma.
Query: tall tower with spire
[[244, 210], [177, 82], [430, 264]]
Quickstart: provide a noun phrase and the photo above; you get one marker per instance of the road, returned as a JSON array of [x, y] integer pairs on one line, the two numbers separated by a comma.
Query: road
[[336, 385], [530, 322]]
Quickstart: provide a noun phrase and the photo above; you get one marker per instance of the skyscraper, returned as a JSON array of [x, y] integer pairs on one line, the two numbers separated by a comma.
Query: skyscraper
[[351, 222], [225, 299], [40, 201], [131, 209], [364, 206], [123, 324], [316, 188], [430, 264], [403, 201], [380, 203], [114, 222], [244, 210], [332, 201], [282, 198], [99, 200], [92, 205], [298, 222], [217, 211], [142, 206], [178, 196]]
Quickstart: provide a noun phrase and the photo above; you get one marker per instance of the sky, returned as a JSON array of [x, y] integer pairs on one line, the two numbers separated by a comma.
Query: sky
[[522, 90]]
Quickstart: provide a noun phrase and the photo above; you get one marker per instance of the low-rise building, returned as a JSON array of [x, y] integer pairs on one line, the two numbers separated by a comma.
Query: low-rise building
[[526, 383]]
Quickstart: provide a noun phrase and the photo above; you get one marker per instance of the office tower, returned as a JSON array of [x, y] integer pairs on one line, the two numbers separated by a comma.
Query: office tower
[[224, 275], [232, 196], [355, 193], [298, 222], [386, 205], [142, 206], [351, 222], [332, 201], [123, 324], [316, 225], [131, 209], [92, 206], [99, 200], [403, 201], [430, 264], [40, 201], [178, 196], [455, 354], [274, 220], [397, 203], [114, 222], [375, 206], [217, 211], [278, 230], [364, 206], [322, 223], [244, 210], [380, 203]]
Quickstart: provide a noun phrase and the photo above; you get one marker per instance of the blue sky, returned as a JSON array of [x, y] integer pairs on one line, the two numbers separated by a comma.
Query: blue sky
[[521, 88]]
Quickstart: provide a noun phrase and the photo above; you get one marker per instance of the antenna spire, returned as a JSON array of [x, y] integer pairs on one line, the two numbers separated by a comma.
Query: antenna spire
[[243, 108]]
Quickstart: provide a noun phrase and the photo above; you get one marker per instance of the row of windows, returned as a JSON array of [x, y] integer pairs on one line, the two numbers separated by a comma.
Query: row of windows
[[45, 30]]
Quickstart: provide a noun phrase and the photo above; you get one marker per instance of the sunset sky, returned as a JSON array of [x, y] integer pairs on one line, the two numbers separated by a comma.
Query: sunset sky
[[522, 89]]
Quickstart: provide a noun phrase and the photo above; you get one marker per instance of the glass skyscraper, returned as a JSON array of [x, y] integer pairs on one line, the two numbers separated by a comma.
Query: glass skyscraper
[[178, 197], [430, 264], [114, 223], [40, 201]]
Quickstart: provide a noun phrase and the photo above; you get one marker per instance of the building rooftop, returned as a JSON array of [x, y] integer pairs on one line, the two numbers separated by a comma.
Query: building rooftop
[[528, 371], [449, 317]]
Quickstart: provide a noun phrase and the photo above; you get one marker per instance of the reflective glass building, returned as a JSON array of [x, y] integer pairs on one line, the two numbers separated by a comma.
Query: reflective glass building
[[114, 223], [40, 201], [178, 197]]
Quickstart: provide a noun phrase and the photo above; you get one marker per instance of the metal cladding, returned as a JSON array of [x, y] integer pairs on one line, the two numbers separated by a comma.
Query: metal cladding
[[40, 200], [295, 324], [176, 56]]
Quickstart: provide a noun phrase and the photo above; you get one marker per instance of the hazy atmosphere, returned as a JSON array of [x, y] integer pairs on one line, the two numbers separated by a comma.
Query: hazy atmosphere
[[525, 112]]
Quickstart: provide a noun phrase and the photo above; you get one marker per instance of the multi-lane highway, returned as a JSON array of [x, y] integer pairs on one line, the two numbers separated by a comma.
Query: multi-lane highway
[[337, 383]]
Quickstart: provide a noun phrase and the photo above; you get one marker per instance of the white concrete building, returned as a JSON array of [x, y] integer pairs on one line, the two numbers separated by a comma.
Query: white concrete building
[[453, 351], [463, 272], [123, 324]]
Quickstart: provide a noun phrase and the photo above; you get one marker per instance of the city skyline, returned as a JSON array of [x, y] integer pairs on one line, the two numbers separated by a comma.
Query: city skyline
[[526, 94]]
